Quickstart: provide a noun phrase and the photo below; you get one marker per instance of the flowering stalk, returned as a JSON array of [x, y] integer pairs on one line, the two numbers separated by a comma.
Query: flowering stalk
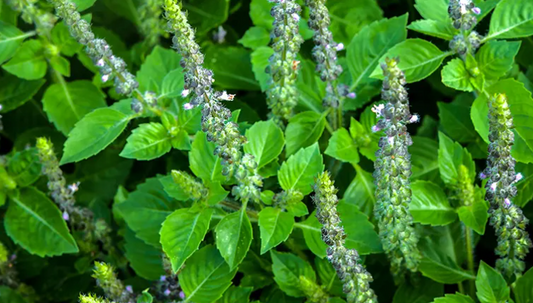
[[102, 56], [31, 13], [194, 189], [168, 286], [151, 25], [345, 261], [314, 293], [90, 298], [8, 274], [392, 172], [325, 54], [114, 289], [225, 134], [463, 17], [282, 95], [507, 219]]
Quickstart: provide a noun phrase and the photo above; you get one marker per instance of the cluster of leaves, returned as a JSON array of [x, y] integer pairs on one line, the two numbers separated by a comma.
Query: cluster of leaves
[[154, 179]]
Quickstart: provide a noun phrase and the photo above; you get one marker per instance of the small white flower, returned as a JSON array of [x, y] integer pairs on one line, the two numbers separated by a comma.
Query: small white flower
[[1, 107], [100, 62], [167, 292], [506, 203], [414, 118], [74, 187], [187, 106], [518, 177], [476, 10], [129, 288], [391, 140], [185, 93], [377, 109], [105, 78], [339, 47], [65, 216], [351, 95], [375, 128], [493, 186], [162, 278], [482, 176], [296, 17], [226, 97]]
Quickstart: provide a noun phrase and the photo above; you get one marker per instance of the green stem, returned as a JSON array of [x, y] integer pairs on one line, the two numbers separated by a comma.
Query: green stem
[[470, 258]]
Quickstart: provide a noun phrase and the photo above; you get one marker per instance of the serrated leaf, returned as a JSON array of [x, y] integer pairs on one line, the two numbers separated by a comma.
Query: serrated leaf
[[66, 103], [434, 28], [433, 9], [349, 17], [259, 58], [303, 130], [476, 215], [232, 67], [363, 57], [523, 289], [173, 84], [206, 276], [146, 142], [451, 156], [234, 237], [342, 147], [265, 142], [236, 295], [275, 227], [35, 223], [491, 286], [146, 209], [361, 192], [416, 65], [455, 119], [93, 133], [299, 171], [182, 232], [328, 277], [455, 75], [28, 62], [287, 270], [430, 204], [496, 58], [203, 162], [422, 292], [156, 66], [524, 187], [424, 158], [255, 37], [25, 167], [14, 92], [455, 298], [511, 19]]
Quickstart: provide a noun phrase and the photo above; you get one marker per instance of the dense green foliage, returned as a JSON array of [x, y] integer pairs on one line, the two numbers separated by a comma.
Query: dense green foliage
[[266, 151]]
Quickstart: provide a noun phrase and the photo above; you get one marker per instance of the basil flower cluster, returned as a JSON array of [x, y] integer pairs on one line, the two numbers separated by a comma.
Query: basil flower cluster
[[392, 172], [507, 219], [31, 13], [113, 288], [152, 27], [91, 298], [98, 50], [314, 293], [345, 261], [325, 52], [215, 117], [282, 95], [61, 194], [462, 13], [189, 185]]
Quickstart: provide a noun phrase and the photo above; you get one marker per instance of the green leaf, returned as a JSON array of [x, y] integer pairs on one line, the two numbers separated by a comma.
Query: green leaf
[[511, 19], [203, 162], [434, 28], [360, 233], [524, 187], [60, 65], [146, 208], [145, 259], [93, 133], [520, 103], [206, 15], [421, 292], [157, 65], [455, 75], [259, 59], [328, 277], [455, 119], [255, 37], [145, 297], [234, 237], [342, 147], [173, 84], [28, 62], [496, 58], [25, 167], [11, 295], [311, 89], [236, 295], [455, 298], [14, 92], [287, 270], [303, 130], [491, 286], [424, 158], [451, 156], [67, 103], [35, 223], [265, 142], [232, 67], [363, 57], [82, 5], [430, 204], [312, 232], [182, 232], [523, 290], [206, 276], [275, 227], [146, 142], [476, 215], [300, 170], [416, 65], [10, 39], [438, 265], [361, 192], [349, 17], [260, 13], [433, 10]]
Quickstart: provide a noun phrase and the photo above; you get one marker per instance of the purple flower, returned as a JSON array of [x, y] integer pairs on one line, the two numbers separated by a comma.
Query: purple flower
[[376, 128], [129, 288], [493, 186], [339, 47], [295, 17], [482, 176], [351, 95], [65, 216], [187, 106], [506, 203], [185, 93], [519, 177], [476, 10], [163, 278], [105, 78], [167, 292], [182, 295], [100, 62]]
